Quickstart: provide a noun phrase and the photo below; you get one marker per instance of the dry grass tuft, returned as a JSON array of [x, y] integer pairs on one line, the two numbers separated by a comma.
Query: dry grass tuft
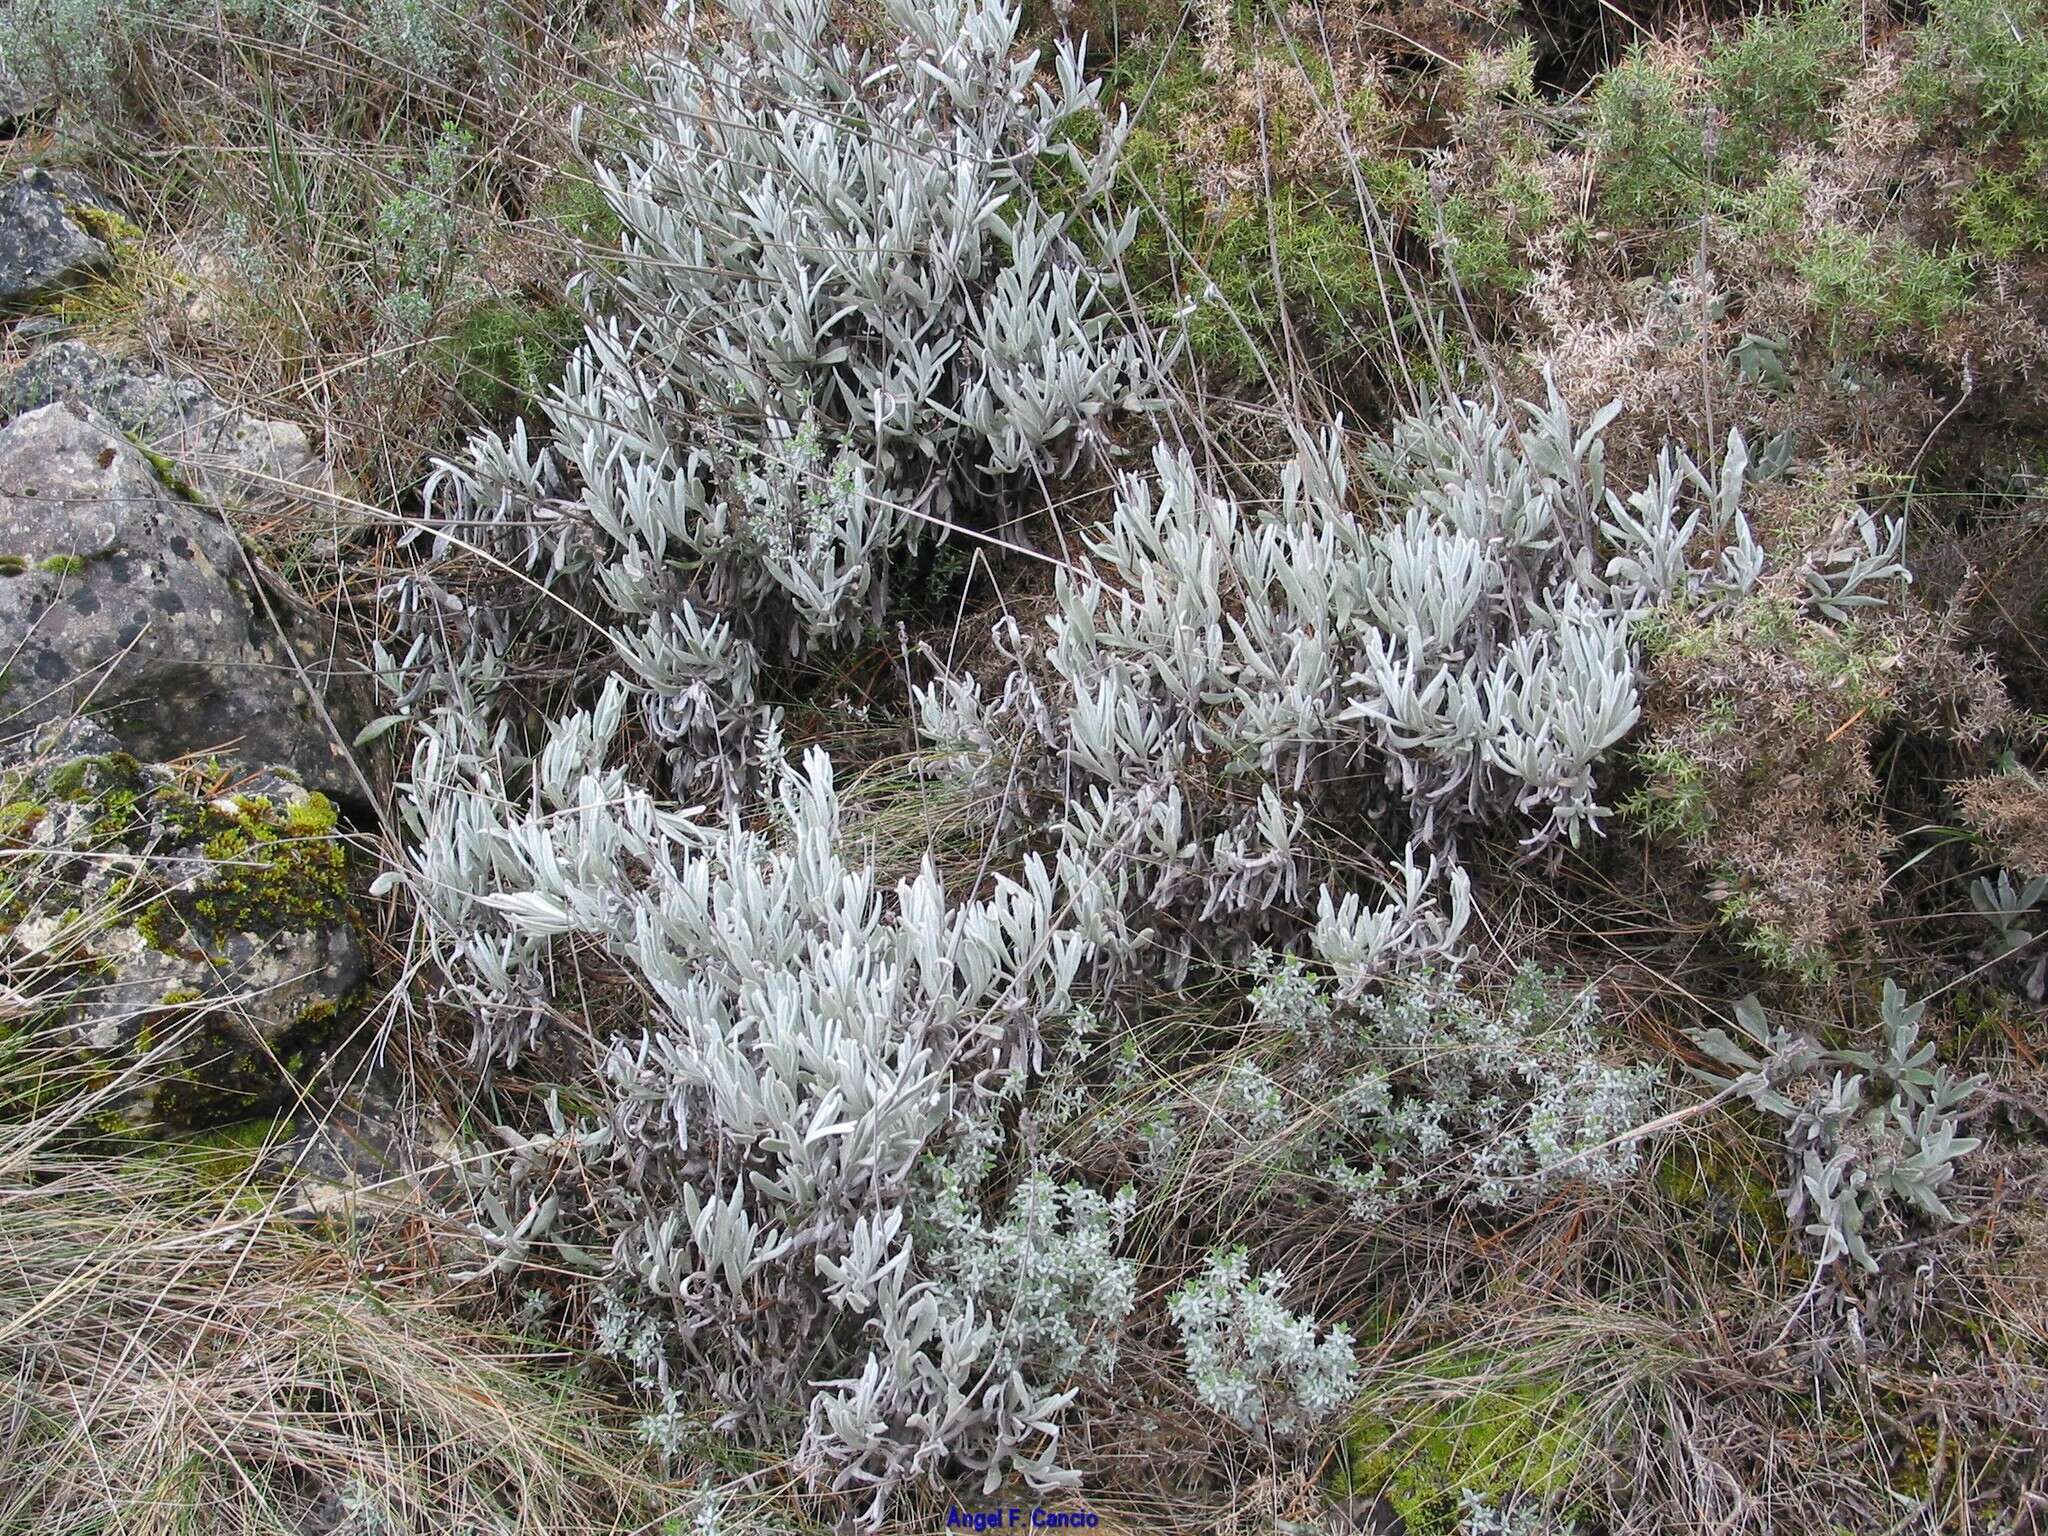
[[178, 1354]]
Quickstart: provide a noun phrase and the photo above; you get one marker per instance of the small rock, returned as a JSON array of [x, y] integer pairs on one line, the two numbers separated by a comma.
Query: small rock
[[123, 600], [192, 953], [364, 1155], [238, 459], [19, 105], [213, 287], [42, 246]]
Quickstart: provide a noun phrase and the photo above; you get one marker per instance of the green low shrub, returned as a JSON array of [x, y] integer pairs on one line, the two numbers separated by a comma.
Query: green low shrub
[[507, 352]]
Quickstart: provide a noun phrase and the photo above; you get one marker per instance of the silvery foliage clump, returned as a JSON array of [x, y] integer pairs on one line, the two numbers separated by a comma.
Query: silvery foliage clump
[[1480, 1516], [1253, 1361], [776, 1190], [1049, 1266], [841, 317], [1867, 559], [1020, 1311], [1426, 1090], [1418, 923], [1505, 1098], [1223, 674], [1869, 1138], [1376, 1070], [2005, 907], [753, 1183], [466, 773]]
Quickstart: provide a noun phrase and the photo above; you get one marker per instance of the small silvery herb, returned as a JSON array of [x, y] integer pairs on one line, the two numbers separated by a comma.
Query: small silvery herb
[[1250, 1359], [1870, 1139]]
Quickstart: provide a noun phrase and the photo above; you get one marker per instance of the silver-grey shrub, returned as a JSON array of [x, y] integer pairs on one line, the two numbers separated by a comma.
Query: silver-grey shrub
[[777, 1186], [1025, 1311], [1456, 632], [2004, 907], [1871, 1140], [842, 317], [1252, 1360], [764, 1187]]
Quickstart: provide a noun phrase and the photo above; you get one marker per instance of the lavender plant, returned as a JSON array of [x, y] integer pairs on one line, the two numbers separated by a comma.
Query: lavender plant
[[844, 317], [1221, 673], [1870, 1139], [764, 1145], [1023, 1309], [843, 321], [2004, 907], [779, 1186]]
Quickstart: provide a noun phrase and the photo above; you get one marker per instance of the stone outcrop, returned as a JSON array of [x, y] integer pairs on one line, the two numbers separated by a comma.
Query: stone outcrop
[[43, 246], [182, 938], [125, 602], [233, 457]]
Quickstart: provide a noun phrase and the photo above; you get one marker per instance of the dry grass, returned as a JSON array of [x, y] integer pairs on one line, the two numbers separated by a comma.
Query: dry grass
[[322, 210], [179, 1354]]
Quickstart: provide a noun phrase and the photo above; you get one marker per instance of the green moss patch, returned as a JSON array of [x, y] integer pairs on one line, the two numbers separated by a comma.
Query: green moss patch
[[19, 820], [276, 863], [268, 876], [228, 1154], [80, 779], [1476, 1424], [1729, 1195]]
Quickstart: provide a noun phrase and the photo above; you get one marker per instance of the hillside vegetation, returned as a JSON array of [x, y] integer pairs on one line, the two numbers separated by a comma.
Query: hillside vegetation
[[1240, 767]]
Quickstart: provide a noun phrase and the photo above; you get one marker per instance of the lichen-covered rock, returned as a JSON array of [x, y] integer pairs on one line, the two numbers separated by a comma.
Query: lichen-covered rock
[[235, 458], [187, 936], [19, 103], [367, 1152], [126, 601], [41, 245]]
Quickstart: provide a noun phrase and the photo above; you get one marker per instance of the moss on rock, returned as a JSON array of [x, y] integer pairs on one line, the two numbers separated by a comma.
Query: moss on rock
[[1492, 1429], [19, 820], [267, 875], [176, 907]]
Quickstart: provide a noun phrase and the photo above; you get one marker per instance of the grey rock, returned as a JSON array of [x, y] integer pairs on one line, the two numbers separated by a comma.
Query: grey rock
[[189, 950], [125, 602], [72, 188], [42, 247], [366, 1153], [213, 286], [19, 105], [235, 458]]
